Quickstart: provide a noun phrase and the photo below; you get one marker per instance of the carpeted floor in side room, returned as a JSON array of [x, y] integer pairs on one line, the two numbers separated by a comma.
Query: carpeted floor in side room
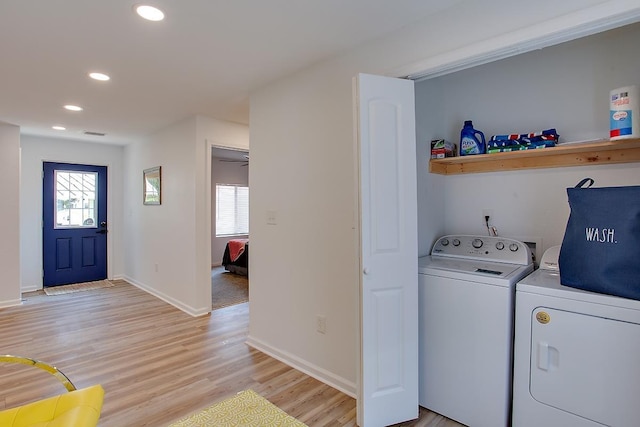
[[228, 288]]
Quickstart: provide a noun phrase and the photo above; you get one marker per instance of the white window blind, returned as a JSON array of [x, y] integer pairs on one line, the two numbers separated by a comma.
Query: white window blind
[[232, 210]]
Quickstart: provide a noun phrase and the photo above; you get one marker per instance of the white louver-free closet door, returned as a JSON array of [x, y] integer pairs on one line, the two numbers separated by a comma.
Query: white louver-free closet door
[[386, 147]]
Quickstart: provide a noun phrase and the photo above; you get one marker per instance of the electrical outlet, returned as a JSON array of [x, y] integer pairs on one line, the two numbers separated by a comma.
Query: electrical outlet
[[486, 213], [321, 324], [155, 266]]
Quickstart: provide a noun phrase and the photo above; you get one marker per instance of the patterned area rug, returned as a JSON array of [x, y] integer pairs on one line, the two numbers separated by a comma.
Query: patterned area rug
[[77, 287], [247, 409], [228, 288]]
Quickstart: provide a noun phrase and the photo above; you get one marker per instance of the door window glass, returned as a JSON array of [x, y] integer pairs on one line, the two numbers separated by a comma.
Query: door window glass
[[76, 204]]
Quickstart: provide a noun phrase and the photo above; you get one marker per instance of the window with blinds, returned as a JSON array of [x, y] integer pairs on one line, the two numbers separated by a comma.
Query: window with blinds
[[232, 210]]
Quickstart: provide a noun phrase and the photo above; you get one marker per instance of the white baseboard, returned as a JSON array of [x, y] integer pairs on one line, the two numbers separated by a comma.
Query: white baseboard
[[30, 288], [339, 383], [10, 303], [195, 312]]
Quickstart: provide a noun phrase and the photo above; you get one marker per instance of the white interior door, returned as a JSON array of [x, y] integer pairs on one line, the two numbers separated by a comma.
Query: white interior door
[[386, 146]]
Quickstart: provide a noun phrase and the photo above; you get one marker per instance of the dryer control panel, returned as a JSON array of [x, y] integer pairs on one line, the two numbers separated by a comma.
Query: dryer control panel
[[486, 248]]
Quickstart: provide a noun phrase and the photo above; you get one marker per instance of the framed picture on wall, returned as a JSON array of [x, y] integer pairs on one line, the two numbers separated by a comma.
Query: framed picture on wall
[[151, 186]]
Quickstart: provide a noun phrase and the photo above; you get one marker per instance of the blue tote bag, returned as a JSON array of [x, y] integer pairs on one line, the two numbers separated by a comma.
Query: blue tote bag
[[601, 247]]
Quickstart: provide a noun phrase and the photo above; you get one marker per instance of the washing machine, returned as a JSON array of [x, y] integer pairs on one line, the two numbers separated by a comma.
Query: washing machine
[[466, 297], [577, 354]]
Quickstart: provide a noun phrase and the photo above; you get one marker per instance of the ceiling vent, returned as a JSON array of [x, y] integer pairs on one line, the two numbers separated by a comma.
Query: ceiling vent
[[88, 132]]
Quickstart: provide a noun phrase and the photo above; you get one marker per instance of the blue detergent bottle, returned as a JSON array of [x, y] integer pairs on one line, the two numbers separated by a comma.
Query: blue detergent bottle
[[469, 141]]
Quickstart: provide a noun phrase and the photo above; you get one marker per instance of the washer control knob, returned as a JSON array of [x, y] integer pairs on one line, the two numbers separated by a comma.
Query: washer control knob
[[500, 246], [456, 242], [444, 242], [477, 243], [513, 247]]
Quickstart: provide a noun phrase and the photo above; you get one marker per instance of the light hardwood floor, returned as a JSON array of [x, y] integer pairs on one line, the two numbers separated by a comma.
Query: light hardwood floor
[[156, 363]]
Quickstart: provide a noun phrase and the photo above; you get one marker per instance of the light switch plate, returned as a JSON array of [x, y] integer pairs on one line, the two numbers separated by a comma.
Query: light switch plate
[[272, 218]]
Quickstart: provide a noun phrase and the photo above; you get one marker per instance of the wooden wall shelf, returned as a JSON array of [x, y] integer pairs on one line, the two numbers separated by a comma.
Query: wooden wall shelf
[[566, 154]]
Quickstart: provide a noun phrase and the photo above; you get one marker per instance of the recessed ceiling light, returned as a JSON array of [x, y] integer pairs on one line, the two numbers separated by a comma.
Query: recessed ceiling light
[[59, 127], [99, 76], [149, 13], [73, 108]]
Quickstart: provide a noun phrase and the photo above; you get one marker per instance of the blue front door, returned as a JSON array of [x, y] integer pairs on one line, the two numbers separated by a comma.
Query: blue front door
[[74, 232]]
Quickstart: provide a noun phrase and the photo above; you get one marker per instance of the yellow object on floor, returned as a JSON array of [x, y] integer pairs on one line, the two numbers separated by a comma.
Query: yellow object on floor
[[247, 409], [79, 408]]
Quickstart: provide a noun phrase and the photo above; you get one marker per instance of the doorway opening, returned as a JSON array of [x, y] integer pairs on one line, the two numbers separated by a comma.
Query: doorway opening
[[229, 227]]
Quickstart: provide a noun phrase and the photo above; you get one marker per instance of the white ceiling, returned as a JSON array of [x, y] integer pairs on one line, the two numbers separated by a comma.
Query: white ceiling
[[204, 58]]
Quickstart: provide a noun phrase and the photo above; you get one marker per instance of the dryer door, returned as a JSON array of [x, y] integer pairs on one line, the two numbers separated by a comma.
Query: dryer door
[[586, 365]]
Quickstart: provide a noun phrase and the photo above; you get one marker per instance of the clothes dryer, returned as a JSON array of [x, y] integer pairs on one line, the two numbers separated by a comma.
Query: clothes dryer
[[577, 354]]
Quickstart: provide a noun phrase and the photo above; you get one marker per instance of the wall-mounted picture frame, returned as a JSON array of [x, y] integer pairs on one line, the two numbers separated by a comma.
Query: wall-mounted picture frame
[[151, 186]]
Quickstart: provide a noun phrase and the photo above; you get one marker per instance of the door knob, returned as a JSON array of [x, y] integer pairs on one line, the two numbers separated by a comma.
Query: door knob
[[104, 230]]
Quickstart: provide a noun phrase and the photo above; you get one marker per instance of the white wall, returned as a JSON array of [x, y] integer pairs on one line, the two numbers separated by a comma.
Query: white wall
[[305, 265], [168, 247], [431, 188], [10, 214], [223, 134], [302, 167], [35, 151], [566, 87], [224, 173], [160, 239]]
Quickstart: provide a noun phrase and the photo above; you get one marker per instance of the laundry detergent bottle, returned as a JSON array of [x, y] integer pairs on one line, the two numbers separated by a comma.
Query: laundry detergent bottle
[[471, 140]]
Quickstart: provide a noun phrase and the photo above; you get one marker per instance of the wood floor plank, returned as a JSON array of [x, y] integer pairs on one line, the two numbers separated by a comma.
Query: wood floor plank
[[156, 363]]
